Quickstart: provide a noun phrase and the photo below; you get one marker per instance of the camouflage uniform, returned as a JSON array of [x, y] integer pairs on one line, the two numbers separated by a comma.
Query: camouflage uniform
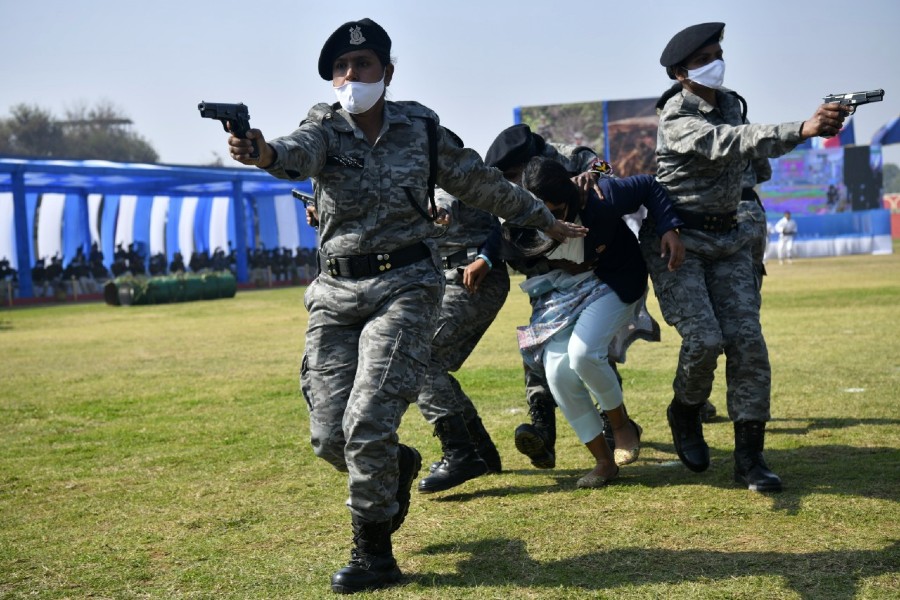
[[369, 337], [713, 299], [751, 216], [464, 317]]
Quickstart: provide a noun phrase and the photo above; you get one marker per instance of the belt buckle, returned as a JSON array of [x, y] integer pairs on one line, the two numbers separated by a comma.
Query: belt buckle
[[382, 261], [332, 266]]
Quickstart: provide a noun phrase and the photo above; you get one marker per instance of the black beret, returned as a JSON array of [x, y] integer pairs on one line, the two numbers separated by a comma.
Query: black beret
[[354, 35], [514, 146], [687, 41]]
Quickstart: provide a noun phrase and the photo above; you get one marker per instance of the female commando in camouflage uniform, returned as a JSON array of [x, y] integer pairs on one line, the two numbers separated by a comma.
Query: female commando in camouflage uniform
[[373, 307], [704, 148]]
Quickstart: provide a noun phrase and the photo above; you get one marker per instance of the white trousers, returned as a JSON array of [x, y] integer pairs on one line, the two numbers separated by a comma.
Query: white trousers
[[786, 247], [575, 360]]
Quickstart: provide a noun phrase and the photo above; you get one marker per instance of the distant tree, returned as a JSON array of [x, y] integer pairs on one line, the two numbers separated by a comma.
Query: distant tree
[[31, 131], [101, 132], [891, 174]]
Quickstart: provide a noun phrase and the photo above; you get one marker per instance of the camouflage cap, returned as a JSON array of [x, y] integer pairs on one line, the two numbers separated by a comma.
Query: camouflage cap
[[514, 146], [354, 35], [686, 42]]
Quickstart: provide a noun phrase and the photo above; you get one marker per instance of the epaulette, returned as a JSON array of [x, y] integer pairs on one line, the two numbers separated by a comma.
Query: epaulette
[[328, 112], [411, 108]]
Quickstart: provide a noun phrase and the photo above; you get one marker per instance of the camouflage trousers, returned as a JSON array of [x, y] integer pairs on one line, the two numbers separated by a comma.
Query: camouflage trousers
[[463, 319], [752, 226], [713, 301], [367, 350]]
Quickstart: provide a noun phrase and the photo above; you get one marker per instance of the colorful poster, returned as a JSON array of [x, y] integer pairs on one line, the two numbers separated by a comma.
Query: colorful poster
[[621, 131]]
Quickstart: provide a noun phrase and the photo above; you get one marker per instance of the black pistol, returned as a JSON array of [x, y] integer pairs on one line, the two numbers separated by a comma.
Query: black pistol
[[854, 99], [306, 199], [238, 115]]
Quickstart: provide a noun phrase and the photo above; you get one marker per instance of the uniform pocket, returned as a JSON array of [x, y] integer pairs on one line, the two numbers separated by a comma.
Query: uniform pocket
[[678, 296], [404, 373]]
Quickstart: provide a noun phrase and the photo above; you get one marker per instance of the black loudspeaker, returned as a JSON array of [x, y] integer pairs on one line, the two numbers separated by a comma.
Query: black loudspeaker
[[862, 180]]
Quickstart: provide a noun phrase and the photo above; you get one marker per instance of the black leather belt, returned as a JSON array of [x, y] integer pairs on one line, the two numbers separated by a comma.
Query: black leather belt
[[365, 265], [715, 223], [459, 258]]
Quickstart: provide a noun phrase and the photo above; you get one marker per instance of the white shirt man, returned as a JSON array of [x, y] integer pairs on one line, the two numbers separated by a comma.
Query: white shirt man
[[787, 229]]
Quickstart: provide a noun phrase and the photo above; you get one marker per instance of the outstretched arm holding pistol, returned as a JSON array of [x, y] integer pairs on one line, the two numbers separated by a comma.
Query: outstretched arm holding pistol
[[825, 122], [247, 146], [829, 117]]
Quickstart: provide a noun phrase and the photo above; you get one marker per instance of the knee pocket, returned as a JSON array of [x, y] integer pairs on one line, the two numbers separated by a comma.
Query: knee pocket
[[678, 300], [404, 372]]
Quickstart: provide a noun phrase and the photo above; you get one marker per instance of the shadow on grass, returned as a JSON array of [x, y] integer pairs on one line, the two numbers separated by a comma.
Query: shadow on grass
[[835, 574], [775, 425], [838, 469]]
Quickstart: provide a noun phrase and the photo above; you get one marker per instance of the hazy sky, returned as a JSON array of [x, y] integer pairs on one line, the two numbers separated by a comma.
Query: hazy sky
[[471, 61]]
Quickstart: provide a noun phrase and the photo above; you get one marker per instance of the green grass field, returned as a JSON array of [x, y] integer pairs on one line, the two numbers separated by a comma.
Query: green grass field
[[162, 452]]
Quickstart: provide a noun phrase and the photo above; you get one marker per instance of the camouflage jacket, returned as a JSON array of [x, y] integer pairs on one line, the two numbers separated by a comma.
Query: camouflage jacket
[[469, 228], [360, 188], [703, 151]]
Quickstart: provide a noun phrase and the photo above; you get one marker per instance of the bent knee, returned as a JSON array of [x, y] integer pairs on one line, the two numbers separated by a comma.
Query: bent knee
[[331, 450], [703, 344], [583, 363]]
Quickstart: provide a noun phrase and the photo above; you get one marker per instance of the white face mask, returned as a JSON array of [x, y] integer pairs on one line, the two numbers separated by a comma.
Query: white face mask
[[357, 97], [711, 75]]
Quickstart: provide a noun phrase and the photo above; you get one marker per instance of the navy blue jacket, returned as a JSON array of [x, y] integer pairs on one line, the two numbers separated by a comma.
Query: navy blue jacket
[[620, 265]]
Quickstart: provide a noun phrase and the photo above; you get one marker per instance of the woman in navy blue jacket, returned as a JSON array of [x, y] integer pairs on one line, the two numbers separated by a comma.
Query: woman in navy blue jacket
[[595, 288]]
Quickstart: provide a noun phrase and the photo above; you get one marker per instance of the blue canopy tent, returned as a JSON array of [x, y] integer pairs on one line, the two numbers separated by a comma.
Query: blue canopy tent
[[249, 192]]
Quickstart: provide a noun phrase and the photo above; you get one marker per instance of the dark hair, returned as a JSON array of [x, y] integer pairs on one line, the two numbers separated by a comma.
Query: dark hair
[[551, 182]]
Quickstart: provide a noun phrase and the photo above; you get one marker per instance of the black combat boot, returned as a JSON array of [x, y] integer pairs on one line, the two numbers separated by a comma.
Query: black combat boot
[[372, 563], [537, 439], [484, 445], [410, 461], [460, 462], [750, 467], [708, 412], [687, 433]]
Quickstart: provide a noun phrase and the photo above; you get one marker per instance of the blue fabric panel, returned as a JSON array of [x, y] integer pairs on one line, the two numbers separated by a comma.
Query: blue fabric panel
[[108, 220], [172, 219], [249, 212], [31, 201], [232, 235], [268, 222], [201, 224], [864, 222], [141, 233], [76, 230]]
